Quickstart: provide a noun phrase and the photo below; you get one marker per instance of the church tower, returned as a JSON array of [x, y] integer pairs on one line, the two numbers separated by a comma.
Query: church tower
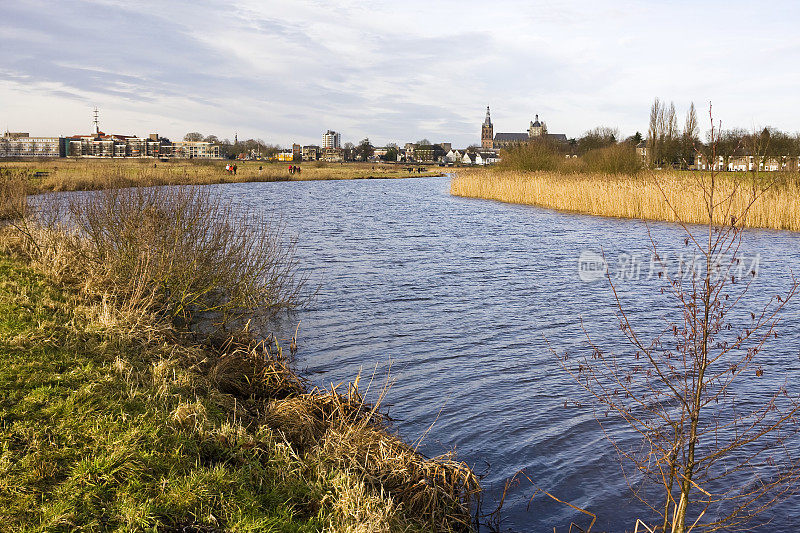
[[487, 132], [537, 129]]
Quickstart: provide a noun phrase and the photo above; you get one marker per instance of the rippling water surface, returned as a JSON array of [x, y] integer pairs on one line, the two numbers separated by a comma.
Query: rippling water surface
[[462, 297]]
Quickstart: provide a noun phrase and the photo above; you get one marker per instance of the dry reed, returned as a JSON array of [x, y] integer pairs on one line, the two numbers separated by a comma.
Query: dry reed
[[95, 174], [640, 196], [13, 197]]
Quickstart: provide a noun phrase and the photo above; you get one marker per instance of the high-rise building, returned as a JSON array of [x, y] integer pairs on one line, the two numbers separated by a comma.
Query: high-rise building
[[331, 139]]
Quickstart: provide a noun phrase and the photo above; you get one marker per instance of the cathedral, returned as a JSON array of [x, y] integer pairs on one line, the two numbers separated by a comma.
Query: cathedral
[[537, 130]]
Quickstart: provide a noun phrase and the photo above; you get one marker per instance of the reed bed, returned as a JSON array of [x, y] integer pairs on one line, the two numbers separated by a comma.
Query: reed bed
[[666, 196], [95, 174]]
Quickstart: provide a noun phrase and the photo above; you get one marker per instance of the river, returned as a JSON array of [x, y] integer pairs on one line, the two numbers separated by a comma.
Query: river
[[464, 299]]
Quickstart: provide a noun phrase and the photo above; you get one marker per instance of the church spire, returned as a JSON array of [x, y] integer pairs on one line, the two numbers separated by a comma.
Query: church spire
[[488, 120]]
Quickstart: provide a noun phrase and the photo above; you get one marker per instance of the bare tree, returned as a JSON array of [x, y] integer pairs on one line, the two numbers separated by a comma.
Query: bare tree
[[689, 137], [654, 133], [599, 137], [663, 134], [707, 457]]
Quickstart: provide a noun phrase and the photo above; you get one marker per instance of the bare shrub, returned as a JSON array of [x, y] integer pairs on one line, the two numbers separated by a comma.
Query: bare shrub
[[613, 159], [177, 252], [540, 155], [709, 455]]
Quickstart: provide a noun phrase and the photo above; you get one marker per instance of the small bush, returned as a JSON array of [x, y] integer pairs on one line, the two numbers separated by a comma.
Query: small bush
[[614, 159]]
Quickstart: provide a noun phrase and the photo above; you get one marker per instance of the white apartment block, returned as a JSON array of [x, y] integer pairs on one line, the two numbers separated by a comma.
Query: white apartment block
[[331, 139]]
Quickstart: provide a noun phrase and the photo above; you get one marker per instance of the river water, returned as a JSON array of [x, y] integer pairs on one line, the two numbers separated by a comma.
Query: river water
[[464, 299]]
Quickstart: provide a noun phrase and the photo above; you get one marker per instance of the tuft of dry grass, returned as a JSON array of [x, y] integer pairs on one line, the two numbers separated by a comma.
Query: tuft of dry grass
[[639, 196], [13, 197], [96, 174], [347, 433]]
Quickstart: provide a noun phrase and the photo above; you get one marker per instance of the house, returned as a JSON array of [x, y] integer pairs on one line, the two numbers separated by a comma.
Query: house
[[453, 156], [427, 153], [489, 158], [331, 139], [746, 162], [285, 156], [23, 145], [311, 152], [333, 155], [641, 149]]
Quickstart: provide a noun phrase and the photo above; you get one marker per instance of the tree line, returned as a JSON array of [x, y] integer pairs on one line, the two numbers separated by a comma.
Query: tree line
[[670, 146], [229, 149]]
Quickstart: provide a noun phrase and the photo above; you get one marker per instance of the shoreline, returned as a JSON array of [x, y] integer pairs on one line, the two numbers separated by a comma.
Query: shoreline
[[150, 428], [62, 175]]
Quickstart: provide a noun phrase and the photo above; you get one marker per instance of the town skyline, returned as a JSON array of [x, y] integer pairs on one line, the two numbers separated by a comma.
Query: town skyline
[[390, 74]]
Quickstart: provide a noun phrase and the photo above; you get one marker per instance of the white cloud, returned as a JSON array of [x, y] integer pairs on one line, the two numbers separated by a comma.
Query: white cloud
[[286, 72]]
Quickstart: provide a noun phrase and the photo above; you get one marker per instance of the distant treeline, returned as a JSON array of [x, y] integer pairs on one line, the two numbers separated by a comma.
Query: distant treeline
[[602, 149]]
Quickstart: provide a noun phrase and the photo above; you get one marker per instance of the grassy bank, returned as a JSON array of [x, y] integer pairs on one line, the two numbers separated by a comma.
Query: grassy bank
[[637, 196], [94, 174], [116, 416]]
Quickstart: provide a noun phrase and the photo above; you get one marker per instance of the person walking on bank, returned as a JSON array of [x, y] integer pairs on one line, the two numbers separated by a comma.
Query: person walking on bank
[[234, 169]]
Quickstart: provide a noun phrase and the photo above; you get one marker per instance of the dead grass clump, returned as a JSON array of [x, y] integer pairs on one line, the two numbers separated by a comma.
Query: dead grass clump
[[254, 375], [306, 418], [438, 490], [347, 433], [358, 509], [190, 415]]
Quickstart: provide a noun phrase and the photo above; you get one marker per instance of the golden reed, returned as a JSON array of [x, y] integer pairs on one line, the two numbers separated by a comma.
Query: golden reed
[[639, 196]]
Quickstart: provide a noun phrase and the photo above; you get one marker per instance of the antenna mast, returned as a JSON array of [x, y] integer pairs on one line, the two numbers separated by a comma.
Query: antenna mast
[[96, 122]]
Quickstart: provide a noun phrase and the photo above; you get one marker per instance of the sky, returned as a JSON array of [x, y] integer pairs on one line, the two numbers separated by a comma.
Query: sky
[[287, 71]]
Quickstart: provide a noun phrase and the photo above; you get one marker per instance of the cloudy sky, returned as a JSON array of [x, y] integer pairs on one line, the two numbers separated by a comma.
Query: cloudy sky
[[286, 71]]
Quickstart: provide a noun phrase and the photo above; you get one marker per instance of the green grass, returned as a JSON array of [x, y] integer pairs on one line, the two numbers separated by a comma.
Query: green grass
[[102, 432]]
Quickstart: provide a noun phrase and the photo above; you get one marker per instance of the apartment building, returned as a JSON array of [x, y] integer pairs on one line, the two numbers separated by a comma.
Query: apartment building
[[18, 144], [331, 139]]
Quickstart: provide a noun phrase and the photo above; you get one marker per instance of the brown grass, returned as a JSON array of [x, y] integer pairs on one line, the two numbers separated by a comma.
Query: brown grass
[[639, 196], [94, 174], [13, 197]]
